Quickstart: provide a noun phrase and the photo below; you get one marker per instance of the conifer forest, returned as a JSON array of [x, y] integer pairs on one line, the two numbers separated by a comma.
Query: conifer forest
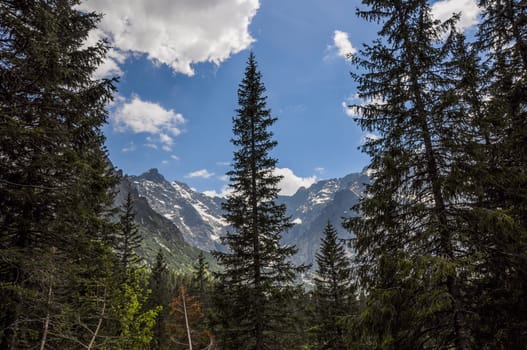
[[438, 241]]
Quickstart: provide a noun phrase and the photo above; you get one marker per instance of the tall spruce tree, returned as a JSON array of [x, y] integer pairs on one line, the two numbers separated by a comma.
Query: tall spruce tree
[[501, 180], [333, 294], [257, 273], [55, 178], [413, 251]]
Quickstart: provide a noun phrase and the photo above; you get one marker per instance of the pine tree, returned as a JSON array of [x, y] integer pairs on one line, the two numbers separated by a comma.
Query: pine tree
[[160, 297], [201, 280], [413, 253], [55, 178], [333, 292], [128, 239], [257, 272], [501, 180]]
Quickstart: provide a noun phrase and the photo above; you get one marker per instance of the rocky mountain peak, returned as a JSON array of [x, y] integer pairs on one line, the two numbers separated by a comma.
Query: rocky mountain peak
[[153, 175]]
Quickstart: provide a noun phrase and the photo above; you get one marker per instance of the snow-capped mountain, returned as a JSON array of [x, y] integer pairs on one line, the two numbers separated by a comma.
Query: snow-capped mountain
[[312, 208], [199, 217], [157, 231]]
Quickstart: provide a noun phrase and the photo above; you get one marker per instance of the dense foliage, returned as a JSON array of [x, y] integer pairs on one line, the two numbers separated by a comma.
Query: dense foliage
[[440, 240], [61, 285], [439, 244]]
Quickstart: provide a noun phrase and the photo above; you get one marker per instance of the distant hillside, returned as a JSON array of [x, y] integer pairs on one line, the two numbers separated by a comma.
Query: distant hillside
[[158, 232], [198, 217]]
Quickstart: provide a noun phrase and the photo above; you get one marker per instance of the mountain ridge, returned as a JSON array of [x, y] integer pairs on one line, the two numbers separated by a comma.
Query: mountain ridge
[[199, 216]]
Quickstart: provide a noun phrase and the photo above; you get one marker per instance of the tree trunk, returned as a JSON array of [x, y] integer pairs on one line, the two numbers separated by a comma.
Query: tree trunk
[[46, 322], [183, 292], [99, 324]]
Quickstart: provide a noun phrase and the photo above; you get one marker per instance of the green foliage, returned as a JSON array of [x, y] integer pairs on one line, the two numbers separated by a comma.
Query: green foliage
[[441, 238], [334, 294], [413, 216], [55, 179], [61, 285], [161, 294], [254, 285], [128, 239], [136, 322]]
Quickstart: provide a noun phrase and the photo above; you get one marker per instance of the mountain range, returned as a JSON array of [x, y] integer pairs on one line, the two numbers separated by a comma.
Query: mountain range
[[183, 221]]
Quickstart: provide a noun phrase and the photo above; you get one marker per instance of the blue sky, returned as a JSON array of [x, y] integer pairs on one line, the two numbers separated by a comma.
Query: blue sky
[[180, 62]]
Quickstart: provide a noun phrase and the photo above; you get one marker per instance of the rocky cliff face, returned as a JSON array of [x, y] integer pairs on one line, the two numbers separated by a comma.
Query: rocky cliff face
[[198, 217], [157, 231]]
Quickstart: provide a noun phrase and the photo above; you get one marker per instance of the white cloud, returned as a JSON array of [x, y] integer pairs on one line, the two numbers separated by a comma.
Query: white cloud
[[342, 43], [129, 148], [469, 10], [141, 116], [350, 111], [225, 191], [177, 33], [290, 183], [320, 170], [174, 157], [203, 173]]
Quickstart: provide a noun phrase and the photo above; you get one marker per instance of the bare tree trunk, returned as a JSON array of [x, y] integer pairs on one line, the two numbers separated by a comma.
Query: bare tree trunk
[[46, 322], [182, 291], [99, 323]]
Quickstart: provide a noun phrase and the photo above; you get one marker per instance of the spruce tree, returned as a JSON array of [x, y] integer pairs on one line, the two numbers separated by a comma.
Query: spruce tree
[[257, 273], [160, 296], [333, 294], [128, 239], [413, 251], [501, 180], [200, 279], [55, 178]]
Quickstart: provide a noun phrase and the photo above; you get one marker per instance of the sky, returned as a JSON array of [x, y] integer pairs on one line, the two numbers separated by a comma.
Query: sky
[[179, 63]]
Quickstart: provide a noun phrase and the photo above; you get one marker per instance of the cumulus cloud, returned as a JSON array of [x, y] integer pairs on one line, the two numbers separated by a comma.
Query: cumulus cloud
[[469, 10], [290, 182], [177, 33], [141, 116], [343, 44], [129, 148], [225, 191], [350, 111], [203, 173]]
